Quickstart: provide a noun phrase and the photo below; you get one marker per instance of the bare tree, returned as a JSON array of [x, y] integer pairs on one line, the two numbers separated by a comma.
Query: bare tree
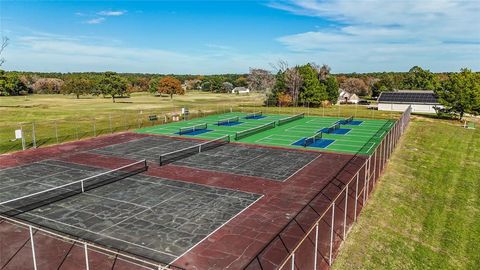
[[260, 80], [2, 47], [280, 66], [323, 71], [293, 80], [355, 85]]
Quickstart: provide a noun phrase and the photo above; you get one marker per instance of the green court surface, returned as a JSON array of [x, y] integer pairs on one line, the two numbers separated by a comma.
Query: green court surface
[[361, 138]]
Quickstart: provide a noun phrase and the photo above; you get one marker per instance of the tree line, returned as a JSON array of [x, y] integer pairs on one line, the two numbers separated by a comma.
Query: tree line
[[309, 84]]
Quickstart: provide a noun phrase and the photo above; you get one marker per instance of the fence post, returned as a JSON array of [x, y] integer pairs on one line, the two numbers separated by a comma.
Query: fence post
[[356, 197], [316, 248], [345, 216], [331, 235], [56, 130], [94, 127], [33, 248], [375, 166], [23, 137], [87, 266], [293, 261], [33, 135]]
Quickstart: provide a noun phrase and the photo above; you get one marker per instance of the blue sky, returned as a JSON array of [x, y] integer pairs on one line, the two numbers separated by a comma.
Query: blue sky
[[202, 37]]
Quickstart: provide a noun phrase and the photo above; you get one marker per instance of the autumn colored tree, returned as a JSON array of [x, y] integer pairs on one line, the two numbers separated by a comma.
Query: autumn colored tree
[[171, 86], [355, 85]]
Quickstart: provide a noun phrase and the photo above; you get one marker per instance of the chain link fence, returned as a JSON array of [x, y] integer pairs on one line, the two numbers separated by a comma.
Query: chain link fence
[[312, 238], [47, 132]]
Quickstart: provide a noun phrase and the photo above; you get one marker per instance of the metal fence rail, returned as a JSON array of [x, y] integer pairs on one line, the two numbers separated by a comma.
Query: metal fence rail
[[47, 132], [313, 245], [88, 247]]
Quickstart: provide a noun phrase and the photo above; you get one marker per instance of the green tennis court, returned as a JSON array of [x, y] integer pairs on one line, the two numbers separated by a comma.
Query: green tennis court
[[358, 136]]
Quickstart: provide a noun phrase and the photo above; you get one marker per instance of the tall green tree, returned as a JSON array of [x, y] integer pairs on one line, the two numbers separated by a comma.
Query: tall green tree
[[11, 85], [278, 88], [77, 86], [420, 79], [111, 84], [460, 93], [331, 85], [312, 91]]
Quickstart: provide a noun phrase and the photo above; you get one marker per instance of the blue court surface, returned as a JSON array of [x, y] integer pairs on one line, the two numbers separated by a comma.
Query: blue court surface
[[196, 132], [340, 131], [322, 143], [256, 117], [229, 124], [351, 123]]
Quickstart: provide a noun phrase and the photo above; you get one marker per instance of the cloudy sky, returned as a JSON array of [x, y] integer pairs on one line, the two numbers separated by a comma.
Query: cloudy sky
[[230, 36]]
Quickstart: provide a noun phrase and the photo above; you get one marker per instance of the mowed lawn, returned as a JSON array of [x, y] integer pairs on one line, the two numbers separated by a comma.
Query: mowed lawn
[[425, 211], [51, 119]]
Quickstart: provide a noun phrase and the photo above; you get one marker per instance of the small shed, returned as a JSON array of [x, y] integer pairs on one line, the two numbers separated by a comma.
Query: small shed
[[422, 101], [240, 90], [345, 97]]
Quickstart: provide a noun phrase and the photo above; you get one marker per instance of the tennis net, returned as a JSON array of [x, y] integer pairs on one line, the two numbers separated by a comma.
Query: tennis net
[[192, 150], [312, 139], [245, 133], [228, 121], [186, 130], [333, 128], [38, 199], [253, 115], [348, 120], [290, 119]]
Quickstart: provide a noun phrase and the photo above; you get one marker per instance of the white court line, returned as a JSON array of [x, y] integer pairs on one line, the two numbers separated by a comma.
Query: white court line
[[318, 156], [143, 211], [206, 237]]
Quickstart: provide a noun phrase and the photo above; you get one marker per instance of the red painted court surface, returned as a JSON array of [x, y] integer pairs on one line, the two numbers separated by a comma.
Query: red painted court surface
[[234, 206]]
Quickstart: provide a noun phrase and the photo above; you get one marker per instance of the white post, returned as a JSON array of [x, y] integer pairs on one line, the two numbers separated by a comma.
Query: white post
[[374, 165], [33, 135], [56, 131], [293, 261], [331, 234], [23, 138], [356, 197], [365, 187], [33, 248], [87, 266], [94, 127], [110, 122], [83, 189], [345, 216], [316, 248]]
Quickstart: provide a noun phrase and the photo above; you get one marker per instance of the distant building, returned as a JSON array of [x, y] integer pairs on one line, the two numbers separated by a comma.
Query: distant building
[[422, 101], [240, 90], [344, 97]]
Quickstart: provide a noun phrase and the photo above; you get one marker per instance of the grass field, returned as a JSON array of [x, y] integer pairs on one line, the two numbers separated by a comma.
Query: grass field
[[360, 136], [59, 118], [425, 211]]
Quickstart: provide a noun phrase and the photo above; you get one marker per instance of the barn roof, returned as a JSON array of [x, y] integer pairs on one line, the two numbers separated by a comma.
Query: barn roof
[[409, 97]]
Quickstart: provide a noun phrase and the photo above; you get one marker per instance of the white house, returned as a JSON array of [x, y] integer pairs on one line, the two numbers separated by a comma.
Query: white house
[[345, 97], [240, 90], [422, 101]]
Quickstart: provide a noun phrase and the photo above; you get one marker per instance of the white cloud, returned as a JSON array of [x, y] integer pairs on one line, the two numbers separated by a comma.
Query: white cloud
[[48, 52], [112, 12], [95, 21], [378, 35]]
